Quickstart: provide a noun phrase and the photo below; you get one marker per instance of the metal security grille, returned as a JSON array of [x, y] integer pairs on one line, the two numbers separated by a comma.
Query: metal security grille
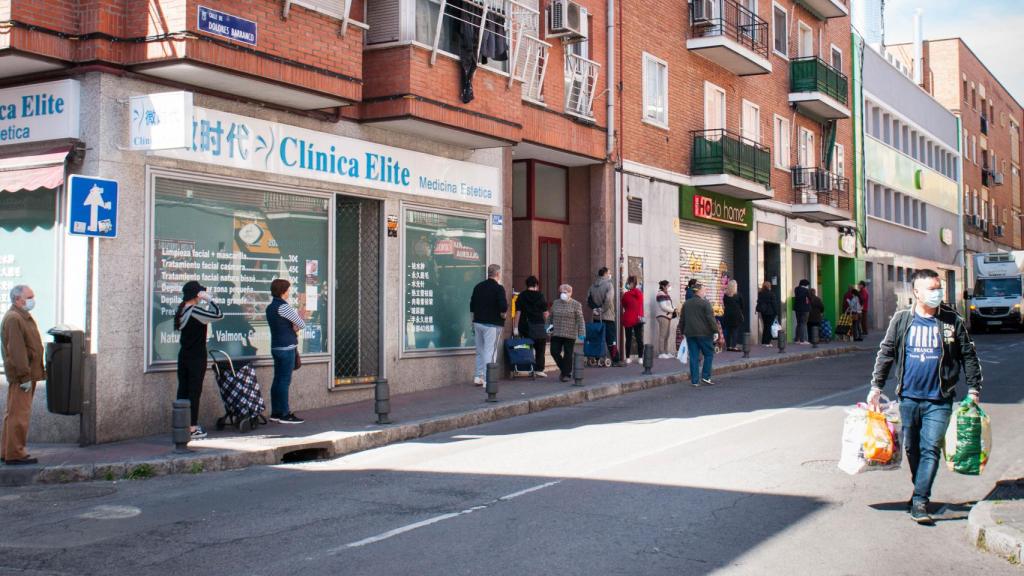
[[357, 297], [705, 253], [635, 210]]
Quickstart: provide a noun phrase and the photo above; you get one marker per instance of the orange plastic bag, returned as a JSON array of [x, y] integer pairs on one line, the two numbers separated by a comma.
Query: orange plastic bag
[[878, 444]]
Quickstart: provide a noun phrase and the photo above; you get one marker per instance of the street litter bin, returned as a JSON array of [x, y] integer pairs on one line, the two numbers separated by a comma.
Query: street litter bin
[[65, 370]]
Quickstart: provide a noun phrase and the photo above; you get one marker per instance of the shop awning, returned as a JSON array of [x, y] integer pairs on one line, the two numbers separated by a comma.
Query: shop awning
[[44, 170]]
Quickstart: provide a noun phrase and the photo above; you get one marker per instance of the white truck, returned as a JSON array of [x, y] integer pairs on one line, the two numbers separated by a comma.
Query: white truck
[[997, 300]]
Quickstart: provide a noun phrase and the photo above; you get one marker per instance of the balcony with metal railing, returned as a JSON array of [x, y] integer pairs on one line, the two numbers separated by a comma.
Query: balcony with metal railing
[[825, 9], [820, 194], [817, 89], [729, 35], [581, 76], [725, 162]]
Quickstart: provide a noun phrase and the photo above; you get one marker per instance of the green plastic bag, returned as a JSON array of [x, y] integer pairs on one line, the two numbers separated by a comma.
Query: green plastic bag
[[968, 439]]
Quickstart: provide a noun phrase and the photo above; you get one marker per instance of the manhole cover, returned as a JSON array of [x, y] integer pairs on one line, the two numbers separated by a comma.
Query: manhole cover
[[821, 465], [69, 493]]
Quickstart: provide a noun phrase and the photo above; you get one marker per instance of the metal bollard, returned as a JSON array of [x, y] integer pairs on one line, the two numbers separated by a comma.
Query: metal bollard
[[782, 341], [746, 344], [578, 362], [180, 423], [492, 382], [382, 400], [815, 335], [648, 358]]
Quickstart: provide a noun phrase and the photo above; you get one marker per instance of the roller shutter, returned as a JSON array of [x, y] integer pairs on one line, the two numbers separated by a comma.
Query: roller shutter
[[706, 253]]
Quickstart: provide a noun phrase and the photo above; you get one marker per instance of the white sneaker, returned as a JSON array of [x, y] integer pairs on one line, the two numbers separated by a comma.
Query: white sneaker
[[664, 356], [478, 381], [629, 360], [540, 374]]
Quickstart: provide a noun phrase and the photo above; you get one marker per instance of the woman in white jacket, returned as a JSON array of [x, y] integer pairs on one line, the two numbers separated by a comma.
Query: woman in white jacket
[[666, 312]]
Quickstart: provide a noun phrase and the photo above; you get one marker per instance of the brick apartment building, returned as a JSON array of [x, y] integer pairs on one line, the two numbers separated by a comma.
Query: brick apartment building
[[735, 141], [991, 120]]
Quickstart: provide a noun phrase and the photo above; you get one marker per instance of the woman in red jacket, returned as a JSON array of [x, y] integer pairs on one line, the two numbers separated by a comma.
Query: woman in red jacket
[[633, 318]]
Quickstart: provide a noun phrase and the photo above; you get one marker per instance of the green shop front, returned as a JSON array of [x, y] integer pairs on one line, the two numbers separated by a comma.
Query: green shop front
[[714, 243]]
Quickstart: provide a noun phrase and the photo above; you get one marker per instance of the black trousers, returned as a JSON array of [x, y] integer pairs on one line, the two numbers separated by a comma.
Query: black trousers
[[562, 351], [191, 370], [539, 348], [635, 333], [734, 336], [766, 328]]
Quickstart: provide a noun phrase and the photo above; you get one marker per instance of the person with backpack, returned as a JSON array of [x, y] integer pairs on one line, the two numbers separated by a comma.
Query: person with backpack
[[191, 320], [601, 301]]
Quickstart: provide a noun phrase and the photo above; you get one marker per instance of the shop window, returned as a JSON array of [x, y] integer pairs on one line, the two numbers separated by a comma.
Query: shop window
[[540, 191], [235, 241], [445, 257], [28, 248], [520, 189]]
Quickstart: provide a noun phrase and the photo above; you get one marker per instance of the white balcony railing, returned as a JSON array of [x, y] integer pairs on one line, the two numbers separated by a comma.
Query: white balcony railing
[[581, 76]]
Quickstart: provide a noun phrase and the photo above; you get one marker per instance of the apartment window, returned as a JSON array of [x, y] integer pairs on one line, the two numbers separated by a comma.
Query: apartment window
[[804, 41], [839, 161], [714, 107], [890, 272], [896, 129], [906, 211], [913, 145], [427, 12], [924, 216], [915, 214], [967, 202], [887, 204], [974, 97], [780, 31], [967, 143], [974, 149], [879, 197], [905, 140], [805, 153], [751, 126], [781, 143], [887, 128], [966, 96], [837, 58], [876, 119], [899, 273], [655, 90]]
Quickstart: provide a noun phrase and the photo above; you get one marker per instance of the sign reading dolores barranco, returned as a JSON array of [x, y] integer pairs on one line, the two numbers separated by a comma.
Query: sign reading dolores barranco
[[251, 144]]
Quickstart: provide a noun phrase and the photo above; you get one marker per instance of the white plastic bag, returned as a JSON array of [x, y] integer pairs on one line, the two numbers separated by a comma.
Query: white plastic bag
[[852, 459], [776, 328], [684, 354]]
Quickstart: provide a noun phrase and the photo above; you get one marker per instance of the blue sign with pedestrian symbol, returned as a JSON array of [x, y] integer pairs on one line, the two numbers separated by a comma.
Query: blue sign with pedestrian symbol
[[92, 207]]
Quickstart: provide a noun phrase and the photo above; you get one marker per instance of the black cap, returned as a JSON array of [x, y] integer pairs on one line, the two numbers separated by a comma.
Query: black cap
[[191, 289]]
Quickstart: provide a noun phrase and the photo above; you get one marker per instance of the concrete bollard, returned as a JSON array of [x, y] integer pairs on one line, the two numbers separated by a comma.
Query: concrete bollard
[[492, 382], [815, 332], [180, 423], [782, 341], [746, 344], [578, 361], [382, 401], [648, 359]]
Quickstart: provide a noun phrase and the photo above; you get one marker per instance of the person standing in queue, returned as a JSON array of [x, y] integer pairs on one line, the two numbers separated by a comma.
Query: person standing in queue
[[192, 319], [633, 319], [568, 327], [21, 348], [700, 328], [768, 308], [735, 318], [601, 299], [530, 318], [801, 309], [666, 313], [489, 307], [285, 325]]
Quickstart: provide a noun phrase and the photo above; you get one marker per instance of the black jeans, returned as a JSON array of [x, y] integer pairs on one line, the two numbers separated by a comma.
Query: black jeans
[[191, 370], [734, 336], [766, 328], [539, 347], [635, 333], [609, 340], [562, 351]]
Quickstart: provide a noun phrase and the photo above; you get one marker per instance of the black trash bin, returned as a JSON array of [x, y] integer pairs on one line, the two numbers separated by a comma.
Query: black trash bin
[[65, 369]]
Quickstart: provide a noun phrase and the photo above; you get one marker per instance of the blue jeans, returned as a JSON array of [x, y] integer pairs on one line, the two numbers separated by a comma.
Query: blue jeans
[[924, 426], [697, 347], [487, 337], [284, 365]]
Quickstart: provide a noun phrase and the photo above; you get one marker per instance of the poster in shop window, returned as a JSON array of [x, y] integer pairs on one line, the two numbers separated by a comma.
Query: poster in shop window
[[445, 258], [235, 242]]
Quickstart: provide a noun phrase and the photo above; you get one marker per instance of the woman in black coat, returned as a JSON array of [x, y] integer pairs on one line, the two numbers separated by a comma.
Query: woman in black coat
[[733, 317], [768, 308], [531, 318]]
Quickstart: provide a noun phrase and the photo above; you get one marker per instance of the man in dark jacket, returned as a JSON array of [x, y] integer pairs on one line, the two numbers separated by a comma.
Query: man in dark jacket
[[699, 326], [21, 348], [924, 348], [489, 307], [801, 309]]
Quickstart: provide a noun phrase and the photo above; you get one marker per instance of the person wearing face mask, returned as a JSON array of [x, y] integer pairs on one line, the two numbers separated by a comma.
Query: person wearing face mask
[[666, 313], [925, 348], [633, 319], [568, 327], [22, 349]]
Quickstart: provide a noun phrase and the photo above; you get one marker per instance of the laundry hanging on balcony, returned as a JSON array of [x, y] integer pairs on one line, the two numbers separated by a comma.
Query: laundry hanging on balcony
[[495, 41], [465, 18]]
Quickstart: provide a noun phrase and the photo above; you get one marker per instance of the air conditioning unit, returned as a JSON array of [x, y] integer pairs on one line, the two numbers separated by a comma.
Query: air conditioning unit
[[997, 178], [801, 177], [566, 20], [702, 11]]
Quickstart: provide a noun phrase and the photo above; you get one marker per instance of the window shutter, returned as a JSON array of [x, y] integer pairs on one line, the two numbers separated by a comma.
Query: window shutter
[[384, 19]]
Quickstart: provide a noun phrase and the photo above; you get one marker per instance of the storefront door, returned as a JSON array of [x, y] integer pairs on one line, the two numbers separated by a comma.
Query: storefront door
[[357, 291], [550, 267]]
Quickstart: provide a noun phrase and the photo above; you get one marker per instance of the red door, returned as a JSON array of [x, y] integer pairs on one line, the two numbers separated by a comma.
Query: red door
[[550, 267]]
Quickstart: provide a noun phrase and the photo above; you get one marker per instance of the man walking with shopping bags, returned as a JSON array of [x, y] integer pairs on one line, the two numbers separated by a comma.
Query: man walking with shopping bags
[[924, 349], [22, 348]]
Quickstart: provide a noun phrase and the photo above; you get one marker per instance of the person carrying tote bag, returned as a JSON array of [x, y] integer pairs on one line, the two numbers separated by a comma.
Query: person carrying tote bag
[[531, 316]]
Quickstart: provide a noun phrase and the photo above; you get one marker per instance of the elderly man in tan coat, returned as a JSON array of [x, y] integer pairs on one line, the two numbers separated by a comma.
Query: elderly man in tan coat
[[22, 351]]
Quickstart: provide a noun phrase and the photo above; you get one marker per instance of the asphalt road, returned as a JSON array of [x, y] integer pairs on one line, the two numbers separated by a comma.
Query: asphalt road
[[739, 479]]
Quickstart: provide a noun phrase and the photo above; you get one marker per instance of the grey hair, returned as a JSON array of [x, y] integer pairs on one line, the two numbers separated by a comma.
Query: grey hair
[[493, 270], [565, 288], [17, 291]]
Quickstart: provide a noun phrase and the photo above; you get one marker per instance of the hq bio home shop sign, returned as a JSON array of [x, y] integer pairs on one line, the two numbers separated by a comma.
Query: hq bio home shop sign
[[252, 144], [39, 112], [703, 206]]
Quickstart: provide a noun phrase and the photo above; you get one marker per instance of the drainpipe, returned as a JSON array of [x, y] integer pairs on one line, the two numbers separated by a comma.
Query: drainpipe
[[610, 115]]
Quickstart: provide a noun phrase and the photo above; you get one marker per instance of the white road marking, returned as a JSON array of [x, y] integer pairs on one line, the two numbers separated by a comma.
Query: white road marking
[[441, 518]]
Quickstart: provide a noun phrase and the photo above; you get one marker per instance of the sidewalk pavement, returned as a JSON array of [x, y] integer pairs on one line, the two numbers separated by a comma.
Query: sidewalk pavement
[[996, 524], [340, 430]]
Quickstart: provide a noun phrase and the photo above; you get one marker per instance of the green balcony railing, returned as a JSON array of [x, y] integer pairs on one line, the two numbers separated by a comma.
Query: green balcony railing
[[723, 152], [813, 74]]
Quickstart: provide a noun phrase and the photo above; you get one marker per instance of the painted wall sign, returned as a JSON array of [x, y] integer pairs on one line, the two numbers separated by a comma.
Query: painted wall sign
[[702, 206], [250, 144], [226, 25], [807, 236], [39, 112], [160, 121]]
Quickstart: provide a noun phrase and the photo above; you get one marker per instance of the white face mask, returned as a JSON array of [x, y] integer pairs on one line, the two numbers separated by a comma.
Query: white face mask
[[563, 296], [932, 298], [30, 303]]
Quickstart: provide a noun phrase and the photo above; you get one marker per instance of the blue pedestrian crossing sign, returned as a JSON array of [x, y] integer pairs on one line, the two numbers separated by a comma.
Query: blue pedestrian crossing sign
[[92, 207]]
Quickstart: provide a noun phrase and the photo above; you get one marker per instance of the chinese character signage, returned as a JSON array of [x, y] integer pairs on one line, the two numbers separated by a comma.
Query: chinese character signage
[[160, 121]]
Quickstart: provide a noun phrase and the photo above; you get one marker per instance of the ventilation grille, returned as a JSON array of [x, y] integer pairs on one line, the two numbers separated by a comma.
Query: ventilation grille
[[635, 209]]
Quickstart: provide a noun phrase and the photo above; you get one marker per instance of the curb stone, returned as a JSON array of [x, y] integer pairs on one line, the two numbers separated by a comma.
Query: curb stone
[[221, 460], [991, 534]]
